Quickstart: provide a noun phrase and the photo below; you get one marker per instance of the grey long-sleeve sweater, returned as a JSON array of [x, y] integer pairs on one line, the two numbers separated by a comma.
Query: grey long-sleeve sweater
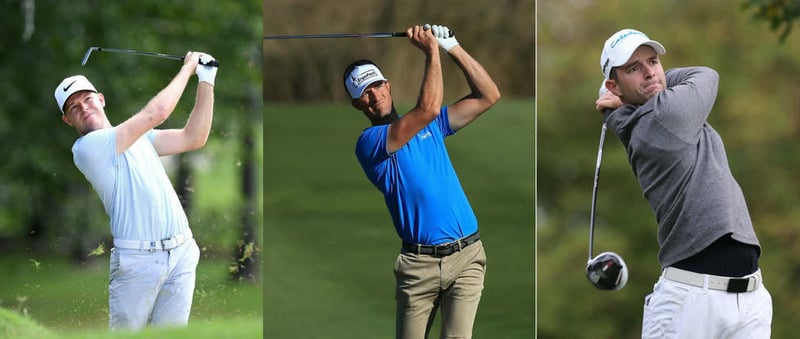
[[681, 165]]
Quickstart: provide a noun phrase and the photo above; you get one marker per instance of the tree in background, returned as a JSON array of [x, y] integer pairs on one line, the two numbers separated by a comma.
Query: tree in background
[[500, 33], [756, 112], [779, 14], [46, 206]]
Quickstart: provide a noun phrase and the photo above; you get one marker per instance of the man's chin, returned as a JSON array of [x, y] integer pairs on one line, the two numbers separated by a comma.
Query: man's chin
[[652, 90]]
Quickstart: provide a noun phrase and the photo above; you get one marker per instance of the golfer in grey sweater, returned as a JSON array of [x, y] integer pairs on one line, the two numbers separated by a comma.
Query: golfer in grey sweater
[[711, 285]]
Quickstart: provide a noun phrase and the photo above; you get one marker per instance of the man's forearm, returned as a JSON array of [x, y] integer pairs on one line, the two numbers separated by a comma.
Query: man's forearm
[[162, 105], [432, 92], [480, 83], [198, 125]]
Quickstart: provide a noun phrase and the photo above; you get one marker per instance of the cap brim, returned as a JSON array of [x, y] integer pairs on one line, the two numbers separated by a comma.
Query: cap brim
[[366, 85], [660, 50]]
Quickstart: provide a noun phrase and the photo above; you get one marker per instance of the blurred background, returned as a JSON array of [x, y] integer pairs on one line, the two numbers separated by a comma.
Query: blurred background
[[54, 233], [329, 243], [756, 112]]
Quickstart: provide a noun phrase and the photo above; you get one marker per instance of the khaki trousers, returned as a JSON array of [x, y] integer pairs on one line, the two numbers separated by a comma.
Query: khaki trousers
[[426, 283]]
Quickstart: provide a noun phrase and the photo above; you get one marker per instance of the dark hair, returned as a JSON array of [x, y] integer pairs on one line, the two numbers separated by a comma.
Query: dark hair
[[613, 74]]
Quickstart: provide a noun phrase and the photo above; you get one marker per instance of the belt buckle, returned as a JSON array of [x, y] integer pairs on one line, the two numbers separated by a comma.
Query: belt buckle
[[738, 285]]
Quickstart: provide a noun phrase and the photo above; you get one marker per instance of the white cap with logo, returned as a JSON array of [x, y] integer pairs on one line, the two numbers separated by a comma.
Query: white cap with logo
[[620, 46], [361, 77], [70, 86]]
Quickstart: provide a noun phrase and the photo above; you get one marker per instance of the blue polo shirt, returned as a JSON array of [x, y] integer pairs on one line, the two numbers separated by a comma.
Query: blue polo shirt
[[419, 184]]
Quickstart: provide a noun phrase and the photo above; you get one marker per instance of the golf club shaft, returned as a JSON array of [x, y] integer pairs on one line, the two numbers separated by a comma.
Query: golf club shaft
[[130, 51], [333, 36], [343, 35], [594, 188]]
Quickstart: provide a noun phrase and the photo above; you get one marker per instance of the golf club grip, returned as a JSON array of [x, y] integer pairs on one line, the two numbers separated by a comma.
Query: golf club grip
[[452, 33], [344, 35], [403, 34], [212, 63]]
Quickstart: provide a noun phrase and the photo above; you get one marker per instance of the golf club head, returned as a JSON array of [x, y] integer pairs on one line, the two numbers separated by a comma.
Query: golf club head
[[87, 54], [607, 271]]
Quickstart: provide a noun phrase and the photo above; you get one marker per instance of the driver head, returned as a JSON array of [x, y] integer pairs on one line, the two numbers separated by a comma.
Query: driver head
[[607, 271]]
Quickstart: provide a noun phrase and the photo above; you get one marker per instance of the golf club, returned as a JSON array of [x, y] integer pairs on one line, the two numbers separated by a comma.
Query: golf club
[[129, 51], [332, 36], [345, 35], [606, 271]]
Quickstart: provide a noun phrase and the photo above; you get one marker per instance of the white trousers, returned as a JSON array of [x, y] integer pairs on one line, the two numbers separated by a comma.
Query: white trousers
[[153, 288], [677, 310]]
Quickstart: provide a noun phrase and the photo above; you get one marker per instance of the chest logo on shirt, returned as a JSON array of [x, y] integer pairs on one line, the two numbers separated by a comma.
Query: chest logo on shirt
[[424, 135]]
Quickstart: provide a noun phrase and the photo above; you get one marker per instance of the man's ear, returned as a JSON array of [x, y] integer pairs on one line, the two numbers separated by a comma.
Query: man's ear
[[612, 86], [66, 120], [102, 99], [355, 104]]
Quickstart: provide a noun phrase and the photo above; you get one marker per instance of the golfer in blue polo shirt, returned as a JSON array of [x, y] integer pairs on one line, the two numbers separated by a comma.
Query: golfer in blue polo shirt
[[442, 261]]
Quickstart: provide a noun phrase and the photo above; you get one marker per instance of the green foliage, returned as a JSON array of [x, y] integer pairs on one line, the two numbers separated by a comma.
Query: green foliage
[[778, 14], [756, 112], [45, 200], [329, 240]]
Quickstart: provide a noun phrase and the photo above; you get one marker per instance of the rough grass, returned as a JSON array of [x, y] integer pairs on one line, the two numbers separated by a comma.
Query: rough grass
[[73, 301], [15, 325]]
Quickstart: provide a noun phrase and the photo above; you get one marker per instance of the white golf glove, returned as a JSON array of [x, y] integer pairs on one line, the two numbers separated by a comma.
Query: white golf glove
[[206, 73], [442, 34]]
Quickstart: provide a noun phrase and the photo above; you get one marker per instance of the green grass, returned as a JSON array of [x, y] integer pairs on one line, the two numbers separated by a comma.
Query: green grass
[[48, 295], [70, 301], [14, 325], [329, 244]]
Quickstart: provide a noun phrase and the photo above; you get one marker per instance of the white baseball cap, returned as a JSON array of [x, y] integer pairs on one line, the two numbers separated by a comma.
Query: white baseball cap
[[70, 86], [360, 77], [620, 46]]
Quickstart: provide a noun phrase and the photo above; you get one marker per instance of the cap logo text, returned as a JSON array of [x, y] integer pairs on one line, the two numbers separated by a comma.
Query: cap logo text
[[363, 76], [623, 36]]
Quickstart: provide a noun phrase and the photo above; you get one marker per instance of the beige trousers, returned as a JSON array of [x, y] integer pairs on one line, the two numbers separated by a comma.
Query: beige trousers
[[426, 283]]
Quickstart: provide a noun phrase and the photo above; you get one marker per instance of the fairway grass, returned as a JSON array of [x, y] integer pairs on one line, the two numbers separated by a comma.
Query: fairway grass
[[329, 243]]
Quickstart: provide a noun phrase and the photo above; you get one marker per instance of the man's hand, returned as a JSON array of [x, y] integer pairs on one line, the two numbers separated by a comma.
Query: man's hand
[[190, 60], [444, 37], [606, 100], [422, 38], [206, 71]]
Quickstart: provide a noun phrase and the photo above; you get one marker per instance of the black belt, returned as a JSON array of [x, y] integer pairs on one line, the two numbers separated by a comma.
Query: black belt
[[442, 250]]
